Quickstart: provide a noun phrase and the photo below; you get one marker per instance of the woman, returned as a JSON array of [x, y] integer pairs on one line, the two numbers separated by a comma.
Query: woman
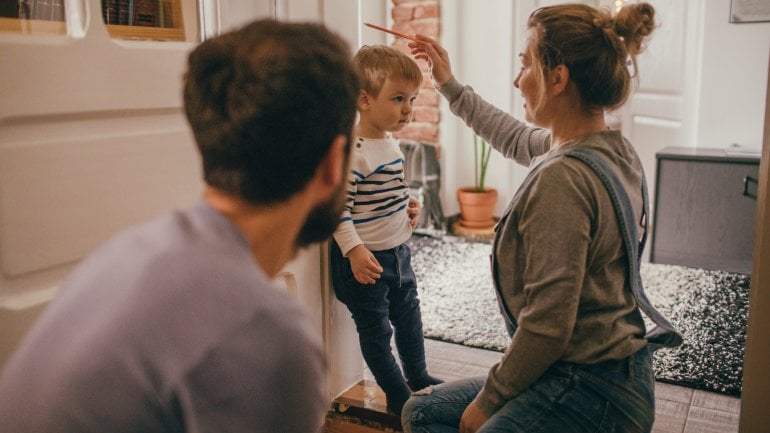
[[566, 280]]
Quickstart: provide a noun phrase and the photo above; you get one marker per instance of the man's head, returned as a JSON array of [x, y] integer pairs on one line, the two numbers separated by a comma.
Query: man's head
[[265, 103]]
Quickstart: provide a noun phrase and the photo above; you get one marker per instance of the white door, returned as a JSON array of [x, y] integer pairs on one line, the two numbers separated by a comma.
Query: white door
[[92, 139], [661, 112]]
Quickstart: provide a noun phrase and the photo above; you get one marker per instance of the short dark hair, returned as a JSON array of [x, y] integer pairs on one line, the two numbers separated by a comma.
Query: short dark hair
[[265, 102]]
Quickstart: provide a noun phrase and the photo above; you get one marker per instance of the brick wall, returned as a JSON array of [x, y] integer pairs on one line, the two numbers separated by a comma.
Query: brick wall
[[423, 17]]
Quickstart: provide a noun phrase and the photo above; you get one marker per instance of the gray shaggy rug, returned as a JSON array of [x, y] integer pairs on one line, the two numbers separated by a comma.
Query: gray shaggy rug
[[709, 308]]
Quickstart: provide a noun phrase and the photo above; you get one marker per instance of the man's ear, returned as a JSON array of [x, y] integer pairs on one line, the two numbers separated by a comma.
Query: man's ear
[[558, 78], [332, 170]]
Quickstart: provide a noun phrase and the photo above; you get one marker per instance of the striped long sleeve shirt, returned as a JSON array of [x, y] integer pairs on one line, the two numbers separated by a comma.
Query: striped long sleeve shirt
[[377, 197]]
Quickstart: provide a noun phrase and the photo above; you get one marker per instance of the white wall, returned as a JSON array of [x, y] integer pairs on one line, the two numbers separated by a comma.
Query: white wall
[[733, 79], [702, 82], [479, 37]]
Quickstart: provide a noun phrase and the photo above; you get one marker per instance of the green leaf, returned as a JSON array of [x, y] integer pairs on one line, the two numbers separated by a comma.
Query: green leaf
[[481, 153]]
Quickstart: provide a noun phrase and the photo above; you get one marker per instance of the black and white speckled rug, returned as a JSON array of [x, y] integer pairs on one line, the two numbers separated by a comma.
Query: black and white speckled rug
[[710, 308]]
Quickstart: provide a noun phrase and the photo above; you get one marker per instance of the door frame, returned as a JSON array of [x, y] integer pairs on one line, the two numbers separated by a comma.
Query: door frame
[[756, 378]]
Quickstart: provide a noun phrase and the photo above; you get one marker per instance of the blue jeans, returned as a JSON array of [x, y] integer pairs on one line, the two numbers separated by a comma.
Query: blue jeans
[[612, 396], [392, 300]]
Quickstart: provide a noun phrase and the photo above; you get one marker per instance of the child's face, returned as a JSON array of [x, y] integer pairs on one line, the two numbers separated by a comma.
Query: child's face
[[392, 109]]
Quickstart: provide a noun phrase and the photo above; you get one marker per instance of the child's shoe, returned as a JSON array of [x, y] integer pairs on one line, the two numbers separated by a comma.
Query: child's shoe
[[423, 382], [395, 400]]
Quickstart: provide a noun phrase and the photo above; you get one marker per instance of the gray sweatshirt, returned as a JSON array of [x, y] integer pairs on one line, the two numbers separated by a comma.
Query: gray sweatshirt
[[171, 326], [559, 252]]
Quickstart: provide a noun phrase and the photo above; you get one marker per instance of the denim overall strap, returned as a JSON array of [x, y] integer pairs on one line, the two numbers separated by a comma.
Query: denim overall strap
[[663, 334]]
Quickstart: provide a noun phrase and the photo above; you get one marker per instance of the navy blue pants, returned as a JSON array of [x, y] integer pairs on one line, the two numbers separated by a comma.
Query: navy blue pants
[[379, 309]]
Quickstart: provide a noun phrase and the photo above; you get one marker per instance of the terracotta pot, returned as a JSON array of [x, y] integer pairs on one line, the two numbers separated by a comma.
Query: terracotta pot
[[476, 207]]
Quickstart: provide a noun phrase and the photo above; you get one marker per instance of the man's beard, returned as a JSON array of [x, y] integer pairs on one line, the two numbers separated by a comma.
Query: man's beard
[[322, 220]]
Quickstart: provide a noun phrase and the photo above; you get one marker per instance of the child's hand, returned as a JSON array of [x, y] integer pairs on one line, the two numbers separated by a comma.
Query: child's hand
[[413, 211], [365, 267]]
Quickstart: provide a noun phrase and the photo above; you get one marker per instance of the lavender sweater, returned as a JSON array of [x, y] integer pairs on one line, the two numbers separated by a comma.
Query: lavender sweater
[[169, 327]]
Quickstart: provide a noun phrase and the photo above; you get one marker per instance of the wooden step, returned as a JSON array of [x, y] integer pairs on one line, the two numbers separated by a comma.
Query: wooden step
[[361, 409]]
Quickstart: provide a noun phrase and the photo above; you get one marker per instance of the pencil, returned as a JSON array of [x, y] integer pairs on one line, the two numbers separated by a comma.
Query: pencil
[[383, 29]]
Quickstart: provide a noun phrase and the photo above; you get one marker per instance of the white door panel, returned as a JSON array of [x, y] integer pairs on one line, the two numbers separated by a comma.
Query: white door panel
[[92, 140], [665, 106], [661, 81], [78, 191], [656, 116], [662, 71]]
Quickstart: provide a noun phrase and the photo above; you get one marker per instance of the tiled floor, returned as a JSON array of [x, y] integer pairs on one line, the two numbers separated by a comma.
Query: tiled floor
[[678, 409]]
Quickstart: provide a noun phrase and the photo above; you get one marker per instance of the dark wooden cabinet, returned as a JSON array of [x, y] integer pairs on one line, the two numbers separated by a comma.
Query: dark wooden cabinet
[[705, 205]]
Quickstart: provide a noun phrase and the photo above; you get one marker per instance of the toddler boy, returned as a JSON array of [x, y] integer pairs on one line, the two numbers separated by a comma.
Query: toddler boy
[[370, 259]]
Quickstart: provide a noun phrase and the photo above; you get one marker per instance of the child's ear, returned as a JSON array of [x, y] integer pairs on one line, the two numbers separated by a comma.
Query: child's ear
[[364, 100]]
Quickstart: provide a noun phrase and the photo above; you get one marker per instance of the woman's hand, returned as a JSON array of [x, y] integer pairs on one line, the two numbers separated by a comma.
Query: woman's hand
[[438, 59], [473, 418], [366, 269]]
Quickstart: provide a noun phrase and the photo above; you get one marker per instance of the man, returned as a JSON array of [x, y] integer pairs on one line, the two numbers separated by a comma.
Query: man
[[174, 326]]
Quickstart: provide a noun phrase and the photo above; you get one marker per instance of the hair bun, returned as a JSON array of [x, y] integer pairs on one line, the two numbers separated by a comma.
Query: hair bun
[[634, 23]]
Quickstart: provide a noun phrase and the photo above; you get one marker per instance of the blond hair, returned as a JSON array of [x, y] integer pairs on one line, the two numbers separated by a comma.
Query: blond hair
[[375, 63], [595, 46]]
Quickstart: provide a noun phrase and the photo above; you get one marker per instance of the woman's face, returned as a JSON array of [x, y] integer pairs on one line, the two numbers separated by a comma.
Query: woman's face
[[528, 83]]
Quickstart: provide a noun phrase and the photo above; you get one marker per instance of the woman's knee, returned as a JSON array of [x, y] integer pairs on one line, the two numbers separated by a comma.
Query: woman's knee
[[411, 413], [439, 405], [420, 412]]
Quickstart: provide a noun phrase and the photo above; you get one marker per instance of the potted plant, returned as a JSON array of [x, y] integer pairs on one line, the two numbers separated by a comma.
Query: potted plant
[[477, 202]]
